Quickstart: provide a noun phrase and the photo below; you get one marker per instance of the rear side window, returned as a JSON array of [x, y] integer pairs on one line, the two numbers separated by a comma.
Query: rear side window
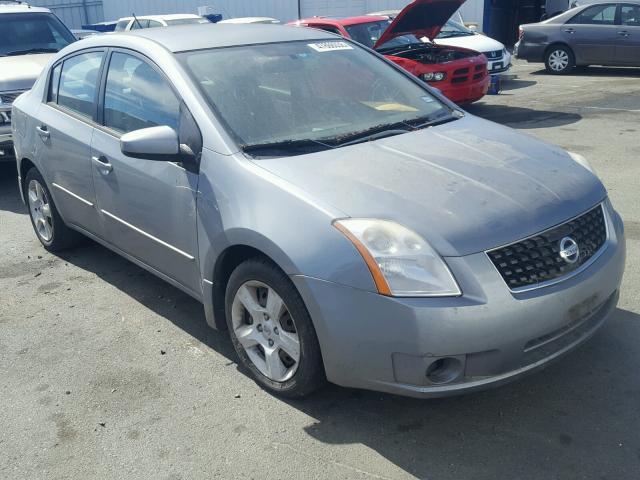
[[78, 83], [630, 15], [596, 15], [137, 96]]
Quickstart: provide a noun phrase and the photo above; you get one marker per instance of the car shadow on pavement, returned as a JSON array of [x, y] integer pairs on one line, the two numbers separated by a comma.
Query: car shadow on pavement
[[522, 118], [614, 72], [576, 419], [517, 84], [9, 195]]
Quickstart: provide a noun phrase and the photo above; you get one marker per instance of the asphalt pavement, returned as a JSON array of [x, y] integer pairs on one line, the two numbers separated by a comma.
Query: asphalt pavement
[[109, 373]]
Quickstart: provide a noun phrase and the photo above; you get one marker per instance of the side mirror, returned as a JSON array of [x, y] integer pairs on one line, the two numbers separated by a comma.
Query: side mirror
[[155, 143]]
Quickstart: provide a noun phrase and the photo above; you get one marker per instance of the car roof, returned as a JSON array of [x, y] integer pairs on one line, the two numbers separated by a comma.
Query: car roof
[[346, 21], [175, 16], [210, 35], [21, 8]]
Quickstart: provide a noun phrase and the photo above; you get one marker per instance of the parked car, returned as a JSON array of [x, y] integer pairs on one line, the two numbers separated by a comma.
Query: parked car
[[155, 21], [29, 37], [340, 219], [267, 20], [459, 73], [604, 33], [456, 34]]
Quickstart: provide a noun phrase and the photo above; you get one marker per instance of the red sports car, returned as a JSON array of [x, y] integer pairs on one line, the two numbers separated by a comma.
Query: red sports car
[[460, 74]]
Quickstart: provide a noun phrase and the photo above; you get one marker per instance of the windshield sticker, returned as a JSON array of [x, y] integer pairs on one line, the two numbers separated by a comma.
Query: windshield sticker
[[428, 99], [330, 46]]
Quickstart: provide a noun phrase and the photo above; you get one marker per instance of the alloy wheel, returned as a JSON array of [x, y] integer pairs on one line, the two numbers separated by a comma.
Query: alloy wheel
[[558, 60], [40, 210], [266, 330]]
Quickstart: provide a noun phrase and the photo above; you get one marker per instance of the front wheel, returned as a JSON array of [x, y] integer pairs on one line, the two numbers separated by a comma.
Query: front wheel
[[272, 331], [559, 60]]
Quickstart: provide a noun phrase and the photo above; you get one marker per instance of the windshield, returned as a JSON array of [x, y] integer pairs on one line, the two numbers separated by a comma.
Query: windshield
[[24, 33], [186, 21], [369, 33], [454, 29], [328, 92]]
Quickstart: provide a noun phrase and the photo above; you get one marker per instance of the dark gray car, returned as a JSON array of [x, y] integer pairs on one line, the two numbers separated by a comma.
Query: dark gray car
[[603, 33]]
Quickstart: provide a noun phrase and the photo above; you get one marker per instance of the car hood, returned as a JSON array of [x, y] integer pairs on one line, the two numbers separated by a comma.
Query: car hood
[[477, 42], [463, 192], [422, 18], [21, 72]]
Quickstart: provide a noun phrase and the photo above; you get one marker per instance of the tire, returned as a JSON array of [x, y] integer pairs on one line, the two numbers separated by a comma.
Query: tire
[[559, 60], [45, 219], [264, 331]]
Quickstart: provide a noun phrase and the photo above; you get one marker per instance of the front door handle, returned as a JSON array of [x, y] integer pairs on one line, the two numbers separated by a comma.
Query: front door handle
[[43, 131], [103, 164], [569, 30], [623, 33]]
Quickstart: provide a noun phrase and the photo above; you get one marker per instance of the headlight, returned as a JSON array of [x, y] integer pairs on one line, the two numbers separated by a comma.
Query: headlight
[[402, 263], [433, 76], [582, 161]]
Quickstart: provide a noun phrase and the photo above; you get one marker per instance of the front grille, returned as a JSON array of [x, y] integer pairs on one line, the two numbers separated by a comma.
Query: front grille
[[537, 259], [493, 55], [459, 80], [461, 71], [9, 97]]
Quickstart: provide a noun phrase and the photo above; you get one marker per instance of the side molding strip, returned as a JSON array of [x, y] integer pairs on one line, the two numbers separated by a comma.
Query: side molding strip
[[77, 197], [142, 232]]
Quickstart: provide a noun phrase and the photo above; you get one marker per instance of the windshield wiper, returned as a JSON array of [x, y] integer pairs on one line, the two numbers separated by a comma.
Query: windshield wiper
[[31, 51], [297, 147]]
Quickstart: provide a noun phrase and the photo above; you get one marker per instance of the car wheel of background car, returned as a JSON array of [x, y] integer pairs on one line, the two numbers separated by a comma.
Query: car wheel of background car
[[47, 223], [272, 331], [559, 60]]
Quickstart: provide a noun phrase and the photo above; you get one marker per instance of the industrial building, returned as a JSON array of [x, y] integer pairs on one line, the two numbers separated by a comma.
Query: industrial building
[[498, 18]]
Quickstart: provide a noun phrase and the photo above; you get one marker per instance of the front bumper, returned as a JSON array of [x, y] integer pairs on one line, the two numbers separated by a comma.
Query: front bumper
[[499, 65], [6, 139], [466, 93], [387, 344]]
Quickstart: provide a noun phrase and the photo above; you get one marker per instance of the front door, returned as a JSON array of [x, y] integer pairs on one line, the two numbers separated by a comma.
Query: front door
[[148, 207], [65, 130], [593, 34], [628, 48]]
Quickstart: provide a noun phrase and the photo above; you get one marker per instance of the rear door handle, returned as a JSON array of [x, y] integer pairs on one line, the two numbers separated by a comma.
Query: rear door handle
[[103, 164], [43, 132]]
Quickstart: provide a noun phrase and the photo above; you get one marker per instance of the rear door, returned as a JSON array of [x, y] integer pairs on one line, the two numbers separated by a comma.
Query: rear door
[[148, 207], [65, 129], [593, 34], [628, 48]]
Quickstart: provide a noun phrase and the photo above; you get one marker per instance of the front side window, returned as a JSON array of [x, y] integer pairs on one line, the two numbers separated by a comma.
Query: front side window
[[321, 91], [596, 15], [630, 15], [79, 82], [137, 96], [24, 33]]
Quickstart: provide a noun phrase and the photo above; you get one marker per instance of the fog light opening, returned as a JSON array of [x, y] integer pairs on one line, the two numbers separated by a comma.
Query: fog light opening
[[444, 370]]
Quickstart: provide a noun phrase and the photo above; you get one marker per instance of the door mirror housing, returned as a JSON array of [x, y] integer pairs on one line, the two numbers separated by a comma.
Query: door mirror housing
[[155, 143]]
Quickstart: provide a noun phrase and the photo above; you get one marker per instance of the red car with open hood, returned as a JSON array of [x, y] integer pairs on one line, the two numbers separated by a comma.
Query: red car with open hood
[[460, 74]]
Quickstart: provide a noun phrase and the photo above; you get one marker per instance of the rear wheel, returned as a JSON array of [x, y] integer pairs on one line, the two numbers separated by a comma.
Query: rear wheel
[[559, 60], [47, 223], [272, 331]]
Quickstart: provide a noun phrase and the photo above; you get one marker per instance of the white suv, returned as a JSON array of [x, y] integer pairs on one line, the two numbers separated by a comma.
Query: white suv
[[29, 37]]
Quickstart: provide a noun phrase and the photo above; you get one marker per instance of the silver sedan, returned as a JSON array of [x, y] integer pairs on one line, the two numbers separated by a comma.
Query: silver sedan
[[339, 218]]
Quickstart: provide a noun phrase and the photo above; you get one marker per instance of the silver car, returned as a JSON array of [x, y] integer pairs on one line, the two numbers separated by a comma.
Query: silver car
[[341, 219], [594, 33]]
